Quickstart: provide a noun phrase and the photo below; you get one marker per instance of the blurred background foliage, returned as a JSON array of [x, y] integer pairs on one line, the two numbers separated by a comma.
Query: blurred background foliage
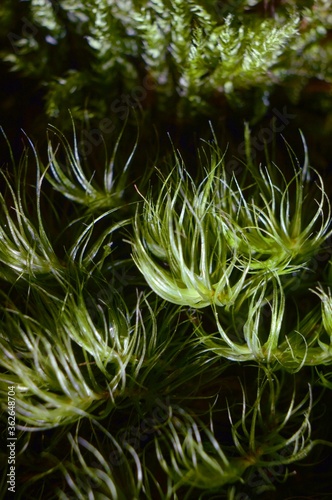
[[167, 67], [180, 63]]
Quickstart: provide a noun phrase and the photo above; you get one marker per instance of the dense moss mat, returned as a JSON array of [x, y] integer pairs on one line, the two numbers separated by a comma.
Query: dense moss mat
[[165, 249]]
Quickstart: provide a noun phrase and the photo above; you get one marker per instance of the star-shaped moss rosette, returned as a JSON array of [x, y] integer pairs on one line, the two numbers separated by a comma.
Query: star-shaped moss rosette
[[188, 456], [70, 361], [285, 221], [183, 247], [263, 329], [31, 249], [213, 242], [73, 178], [25, 247], [274, 429]]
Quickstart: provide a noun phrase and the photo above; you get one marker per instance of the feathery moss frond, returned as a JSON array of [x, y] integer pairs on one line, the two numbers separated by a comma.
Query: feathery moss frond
[[194, 52]]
